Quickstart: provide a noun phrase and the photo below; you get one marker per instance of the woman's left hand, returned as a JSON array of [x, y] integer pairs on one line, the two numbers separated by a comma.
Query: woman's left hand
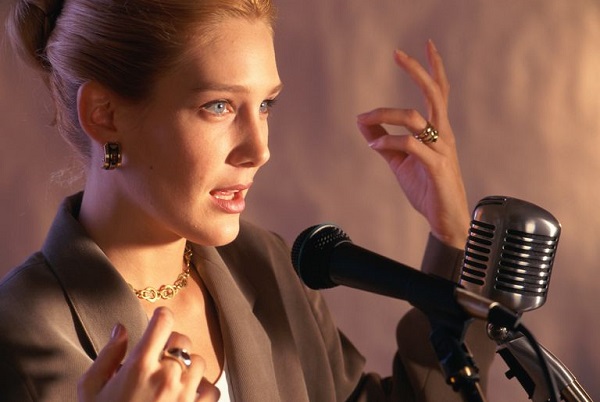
[[429, 173], [148, 374]]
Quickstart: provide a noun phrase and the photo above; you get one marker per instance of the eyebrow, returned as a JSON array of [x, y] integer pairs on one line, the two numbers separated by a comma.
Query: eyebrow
[[230, 88]]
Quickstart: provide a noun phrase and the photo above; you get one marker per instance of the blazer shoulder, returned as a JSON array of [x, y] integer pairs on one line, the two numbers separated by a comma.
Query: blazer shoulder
[[18, 280], [29, 291]]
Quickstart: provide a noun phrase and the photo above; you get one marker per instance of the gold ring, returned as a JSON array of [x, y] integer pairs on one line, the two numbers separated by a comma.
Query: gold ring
[[429, 134], [181, 356]]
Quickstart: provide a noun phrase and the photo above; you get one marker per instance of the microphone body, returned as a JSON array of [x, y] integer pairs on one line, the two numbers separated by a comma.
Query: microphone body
[[510, 251], [324, 257]]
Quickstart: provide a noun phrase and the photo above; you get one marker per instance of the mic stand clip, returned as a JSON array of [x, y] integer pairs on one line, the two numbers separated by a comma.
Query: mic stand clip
[[447, 339]]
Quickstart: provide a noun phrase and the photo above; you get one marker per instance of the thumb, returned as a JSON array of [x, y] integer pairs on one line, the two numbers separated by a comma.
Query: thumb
[[105, 366]]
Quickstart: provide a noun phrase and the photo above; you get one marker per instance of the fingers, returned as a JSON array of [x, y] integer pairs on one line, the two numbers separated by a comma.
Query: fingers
[[370, 125], [434, 86], [207, 392], [146, 374], [396, 148], [193, 376], [178, 369], [409, 118], [176, 342], [148, 367], [189, 374], [437, 69], [105, 366], [150, 347]]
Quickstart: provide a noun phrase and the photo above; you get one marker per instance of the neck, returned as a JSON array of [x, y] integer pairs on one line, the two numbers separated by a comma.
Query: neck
[[143, 255]]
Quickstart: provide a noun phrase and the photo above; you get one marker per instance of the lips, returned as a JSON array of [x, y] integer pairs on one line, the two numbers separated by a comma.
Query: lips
[[225, 195], [231, 200]]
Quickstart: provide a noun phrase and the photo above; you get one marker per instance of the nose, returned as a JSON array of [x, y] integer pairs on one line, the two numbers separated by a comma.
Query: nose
[[252, 148]]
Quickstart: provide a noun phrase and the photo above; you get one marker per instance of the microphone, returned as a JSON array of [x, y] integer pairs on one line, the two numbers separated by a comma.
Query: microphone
[[509, 256], [510, 252], [324, 256]]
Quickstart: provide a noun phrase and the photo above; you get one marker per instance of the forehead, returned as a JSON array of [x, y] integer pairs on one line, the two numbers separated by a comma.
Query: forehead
[[236, 50]]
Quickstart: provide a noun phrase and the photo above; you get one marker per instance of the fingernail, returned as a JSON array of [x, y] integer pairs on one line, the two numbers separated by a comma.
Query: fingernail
[[430, 42], [116, 331], [362, 116], [400, 54], [373, 144]]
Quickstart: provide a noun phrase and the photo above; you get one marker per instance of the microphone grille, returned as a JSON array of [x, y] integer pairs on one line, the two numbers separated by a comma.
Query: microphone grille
[[510, 252], [312, 251]]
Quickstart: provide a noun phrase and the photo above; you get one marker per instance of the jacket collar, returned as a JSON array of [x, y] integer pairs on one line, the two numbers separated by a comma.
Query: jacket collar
[[98, 295]]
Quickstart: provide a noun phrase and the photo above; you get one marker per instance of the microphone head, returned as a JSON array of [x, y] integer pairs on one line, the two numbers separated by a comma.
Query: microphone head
[[312, 251], [510, 252]]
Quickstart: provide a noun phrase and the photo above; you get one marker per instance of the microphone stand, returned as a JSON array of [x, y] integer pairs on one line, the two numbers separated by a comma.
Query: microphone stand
[[447, 339], [523, 365]]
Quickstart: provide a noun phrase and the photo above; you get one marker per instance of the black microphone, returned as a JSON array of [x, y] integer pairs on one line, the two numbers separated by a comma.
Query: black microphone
[[324, 257], [509, 257]]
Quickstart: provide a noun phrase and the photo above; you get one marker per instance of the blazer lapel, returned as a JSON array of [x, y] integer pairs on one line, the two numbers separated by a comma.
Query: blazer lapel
[[98, 295], [248, 348]]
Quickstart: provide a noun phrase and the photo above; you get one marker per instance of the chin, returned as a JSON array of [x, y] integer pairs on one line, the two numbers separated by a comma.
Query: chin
[[214, 232], [225, 233]]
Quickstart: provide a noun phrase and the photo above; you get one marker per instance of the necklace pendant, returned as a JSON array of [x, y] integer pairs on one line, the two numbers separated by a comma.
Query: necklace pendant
[[167, 292], [150, 294]]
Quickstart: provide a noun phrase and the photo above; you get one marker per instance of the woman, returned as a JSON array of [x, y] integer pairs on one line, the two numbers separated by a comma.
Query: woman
[[167, 103]]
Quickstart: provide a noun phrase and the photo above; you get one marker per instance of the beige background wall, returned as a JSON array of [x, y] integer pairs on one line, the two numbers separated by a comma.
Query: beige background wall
[[525, 106]]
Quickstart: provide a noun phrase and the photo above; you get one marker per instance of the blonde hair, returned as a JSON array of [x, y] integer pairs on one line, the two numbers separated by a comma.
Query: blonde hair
[[124, 45]]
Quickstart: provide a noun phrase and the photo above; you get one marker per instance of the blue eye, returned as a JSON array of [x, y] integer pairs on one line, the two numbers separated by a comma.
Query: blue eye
[[267, 105], [217, 107]]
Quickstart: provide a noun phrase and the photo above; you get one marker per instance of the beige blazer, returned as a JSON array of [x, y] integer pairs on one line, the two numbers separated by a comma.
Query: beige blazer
[[58, 308]]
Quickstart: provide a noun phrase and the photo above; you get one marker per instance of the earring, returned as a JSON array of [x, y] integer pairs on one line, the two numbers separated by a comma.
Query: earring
[[112, 156]]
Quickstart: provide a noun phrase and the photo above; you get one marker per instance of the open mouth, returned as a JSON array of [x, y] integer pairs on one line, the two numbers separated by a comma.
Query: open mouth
[[230, 200], [225, 195]]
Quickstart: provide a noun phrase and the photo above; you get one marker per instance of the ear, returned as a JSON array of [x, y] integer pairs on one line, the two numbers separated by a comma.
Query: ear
[[95, 110]]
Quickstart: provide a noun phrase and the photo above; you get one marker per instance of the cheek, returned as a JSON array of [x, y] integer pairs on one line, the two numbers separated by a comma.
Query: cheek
[[156, 145], [179, 147], [195, 163]]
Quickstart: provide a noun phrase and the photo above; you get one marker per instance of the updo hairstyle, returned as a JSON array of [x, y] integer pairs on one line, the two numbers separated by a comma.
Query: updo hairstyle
[[121, 44]]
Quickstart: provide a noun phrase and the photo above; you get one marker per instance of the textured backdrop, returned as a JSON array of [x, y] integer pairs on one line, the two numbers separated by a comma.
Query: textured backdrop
[[525, 106]]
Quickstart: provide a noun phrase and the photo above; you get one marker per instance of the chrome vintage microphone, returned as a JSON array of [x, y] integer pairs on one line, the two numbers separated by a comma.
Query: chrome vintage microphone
[[510, 252], [508, 259]]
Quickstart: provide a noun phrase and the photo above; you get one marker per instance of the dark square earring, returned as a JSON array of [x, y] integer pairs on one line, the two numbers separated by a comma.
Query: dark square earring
[[112, 156]]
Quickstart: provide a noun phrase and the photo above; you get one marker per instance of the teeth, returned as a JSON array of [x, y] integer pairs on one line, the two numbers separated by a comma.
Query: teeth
[[225, 195]]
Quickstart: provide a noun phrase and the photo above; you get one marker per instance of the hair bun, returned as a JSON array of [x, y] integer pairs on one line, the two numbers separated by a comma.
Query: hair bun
[[29, 27]]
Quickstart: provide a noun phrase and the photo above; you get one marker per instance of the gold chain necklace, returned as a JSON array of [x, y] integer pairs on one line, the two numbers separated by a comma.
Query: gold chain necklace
[[167, 292]]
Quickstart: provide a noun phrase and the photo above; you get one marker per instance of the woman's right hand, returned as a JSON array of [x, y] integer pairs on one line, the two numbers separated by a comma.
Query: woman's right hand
[[145, 375]]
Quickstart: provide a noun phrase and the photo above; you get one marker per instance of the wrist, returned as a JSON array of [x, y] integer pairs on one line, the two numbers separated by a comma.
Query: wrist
[[457, 240], [456, 236]]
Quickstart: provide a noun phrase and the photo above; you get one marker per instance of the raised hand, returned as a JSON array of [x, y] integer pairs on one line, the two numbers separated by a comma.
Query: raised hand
[[426, 167]]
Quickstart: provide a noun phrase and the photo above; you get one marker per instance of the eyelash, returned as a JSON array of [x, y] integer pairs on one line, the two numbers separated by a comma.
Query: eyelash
[[211, 104], [267, 103]]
